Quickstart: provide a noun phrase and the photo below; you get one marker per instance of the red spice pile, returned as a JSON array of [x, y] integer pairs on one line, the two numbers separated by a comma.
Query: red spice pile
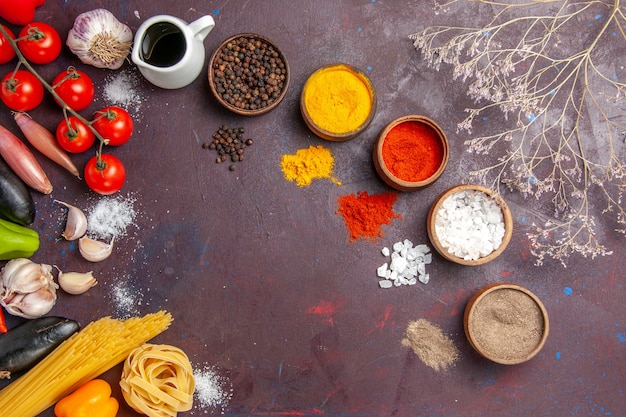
[[412, 151], [366, 214]]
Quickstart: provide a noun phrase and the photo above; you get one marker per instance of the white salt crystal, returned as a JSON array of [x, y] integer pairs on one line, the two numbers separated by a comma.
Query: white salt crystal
[[382, 270], [469, 224], [385, 283], [394, 275], [407, 262], [398, 246], [385, 251], [398, 264]]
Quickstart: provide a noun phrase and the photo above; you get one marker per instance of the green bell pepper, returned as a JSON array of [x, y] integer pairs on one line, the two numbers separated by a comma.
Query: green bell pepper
[[17, 241]]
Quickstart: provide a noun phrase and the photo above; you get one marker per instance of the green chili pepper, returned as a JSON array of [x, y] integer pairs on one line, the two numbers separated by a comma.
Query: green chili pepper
[[17, 241]]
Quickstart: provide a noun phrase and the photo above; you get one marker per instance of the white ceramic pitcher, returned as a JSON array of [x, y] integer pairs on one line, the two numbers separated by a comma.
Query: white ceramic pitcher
[[170, 52]]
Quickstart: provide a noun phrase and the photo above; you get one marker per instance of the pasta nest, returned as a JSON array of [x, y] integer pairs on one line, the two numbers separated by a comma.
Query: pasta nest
[[157, 380]]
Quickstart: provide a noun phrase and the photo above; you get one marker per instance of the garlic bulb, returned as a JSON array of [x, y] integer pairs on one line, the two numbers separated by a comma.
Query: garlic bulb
[[99, 39], [76, 223], [76, 283], [94, 250], [27, 289]]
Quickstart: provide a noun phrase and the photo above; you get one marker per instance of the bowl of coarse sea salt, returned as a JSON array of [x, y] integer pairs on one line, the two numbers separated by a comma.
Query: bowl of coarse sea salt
[[469, 225]]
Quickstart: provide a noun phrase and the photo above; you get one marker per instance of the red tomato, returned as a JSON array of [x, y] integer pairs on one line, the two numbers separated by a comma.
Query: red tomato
[[40, 43], [114, 124], [22, 91], [75, 88], [19, 12], [75, 139], [105, 175], [6, 50]]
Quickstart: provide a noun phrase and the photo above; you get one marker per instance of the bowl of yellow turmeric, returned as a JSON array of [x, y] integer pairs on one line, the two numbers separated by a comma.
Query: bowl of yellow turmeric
[[338, 102]]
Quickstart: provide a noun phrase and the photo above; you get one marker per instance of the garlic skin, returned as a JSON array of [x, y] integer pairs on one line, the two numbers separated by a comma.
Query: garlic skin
[[32, 305], [27, 289], [94, 250], [76, 223], [99, 39], [76, 283]]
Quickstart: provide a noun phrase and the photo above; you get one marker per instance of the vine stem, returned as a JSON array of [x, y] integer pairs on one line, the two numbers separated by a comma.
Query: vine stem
[[22, 61]]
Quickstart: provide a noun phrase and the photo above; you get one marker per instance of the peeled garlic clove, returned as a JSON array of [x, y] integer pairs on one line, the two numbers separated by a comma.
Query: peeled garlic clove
[[76, 223], [94, 250], [76, 282]]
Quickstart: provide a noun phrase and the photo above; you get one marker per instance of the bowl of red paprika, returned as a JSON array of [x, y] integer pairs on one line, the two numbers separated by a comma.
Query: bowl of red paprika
[[411, 153]]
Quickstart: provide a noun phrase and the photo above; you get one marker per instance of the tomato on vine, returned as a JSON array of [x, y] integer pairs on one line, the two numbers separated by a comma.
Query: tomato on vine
[[74, 136], [105, 174], [6, 50], [75, 88], [114, 124], [21, 90], [39, 42], [19, 12]]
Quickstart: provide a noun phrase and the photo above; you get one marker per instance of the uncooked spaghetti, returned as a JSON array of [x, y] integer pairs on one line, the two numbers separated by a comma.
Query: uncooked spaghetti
[[87, 354]]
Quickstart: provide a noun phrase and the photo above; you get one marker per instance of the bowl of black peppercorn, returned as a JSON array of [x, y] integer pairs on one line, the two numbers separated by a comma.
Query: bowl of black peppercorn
[[248, 74]]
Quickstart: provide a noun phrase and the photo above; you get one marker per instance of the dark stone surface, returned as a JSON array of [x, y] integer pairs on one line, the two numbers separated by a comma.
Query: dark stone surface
[[260, 276]]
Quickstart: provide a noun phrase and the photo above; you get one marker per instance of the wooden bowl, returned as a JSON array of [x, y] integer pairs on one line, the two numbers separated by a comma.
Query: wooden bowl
[[323, 131], [506, 323], [406, 184], [443, 251], [238, 102]]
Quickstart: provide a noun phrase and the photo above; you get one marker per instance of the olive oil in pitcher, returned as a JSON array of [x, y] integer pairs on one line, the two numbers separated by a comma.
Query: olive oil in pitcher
[[163, 45]]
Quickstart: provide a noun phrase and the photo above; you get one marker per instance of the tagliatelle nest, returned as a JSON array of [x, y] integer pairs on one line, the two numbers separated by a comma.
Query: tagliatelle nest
[[157, 380]]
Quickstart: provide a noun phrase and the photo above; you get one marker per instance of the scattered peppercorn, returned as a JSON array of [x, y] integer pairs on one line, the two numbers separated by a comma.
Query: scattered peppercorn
[[229, 144], [249, 73]]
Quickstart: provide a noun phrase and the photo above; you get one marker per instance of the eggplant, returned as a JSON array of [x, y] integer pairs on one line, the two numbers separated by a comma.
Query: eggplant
[[23, 347], [16, 202]]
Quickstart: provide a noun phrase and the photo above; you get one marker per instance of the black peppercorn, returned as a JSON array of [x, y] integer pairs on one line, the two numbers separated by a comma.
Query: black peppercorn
[[229, 144], [242, 67]]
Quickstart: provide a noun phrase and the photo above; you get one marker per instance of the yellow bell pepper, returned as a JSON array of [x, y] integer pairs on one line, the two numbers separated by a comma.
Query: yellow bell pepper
[[92, 399]]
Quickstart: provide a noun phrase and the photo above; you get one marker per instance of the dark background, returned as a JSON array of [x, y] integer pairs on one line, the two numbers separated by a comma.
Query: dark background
[[261, 278]]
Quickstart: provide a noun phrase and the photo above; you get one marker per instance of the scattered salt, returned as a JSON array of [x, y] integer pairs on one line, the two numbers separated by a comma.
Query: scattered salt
[[407, 266], [210, 390], [121, 89], [469, 224], [110, 217], [126, 299]]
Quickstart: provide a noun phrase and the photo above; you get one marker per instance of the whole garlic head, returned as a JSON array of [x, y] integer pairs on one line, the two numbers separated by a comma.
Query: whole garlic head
[[27, 289], [99, 39]]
